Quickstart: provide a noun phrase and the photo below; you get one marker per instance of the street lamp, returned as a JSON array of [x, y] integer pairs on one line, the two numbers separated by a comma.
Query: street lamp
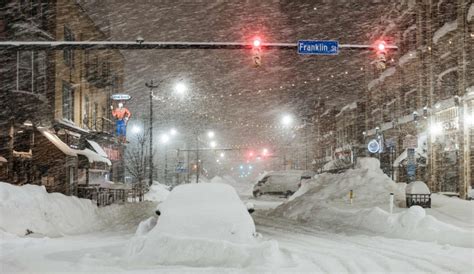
[[151, 86], [213, 144], [173, 132], [180, 89], [287, 120], [136, 129], [210, 134]]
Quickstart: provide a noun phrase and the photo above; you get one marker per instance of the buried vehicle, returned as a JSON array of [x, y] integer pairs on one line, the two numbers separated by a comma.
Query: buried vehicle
[[284, 182], [202, 225]]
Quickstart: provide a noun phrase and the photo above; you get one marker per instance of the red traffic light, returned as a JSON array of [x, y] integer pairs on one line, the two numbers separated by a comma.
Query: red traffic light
[[381, 46], [257, 42]]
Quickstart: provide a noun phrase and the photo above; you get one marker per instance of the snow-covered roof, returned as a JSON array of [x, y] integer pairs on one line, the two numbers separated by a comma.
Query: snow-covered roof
[[470, 13], [449, 70], [407, 57], [444, 104], [97, 148], [385, 74], [347, 107], [445, 29], [3, 160]]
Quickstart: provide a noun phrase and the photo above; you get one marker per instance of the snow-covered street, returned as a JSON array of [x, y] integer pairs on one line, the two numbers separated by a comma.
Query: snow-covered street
[[310, 248], [304, 245]]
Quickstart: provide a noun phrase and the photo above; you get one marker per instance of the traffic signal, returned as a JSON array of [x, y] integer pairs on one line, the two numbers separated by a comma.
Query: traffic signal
[[257, 51], [381, 52]]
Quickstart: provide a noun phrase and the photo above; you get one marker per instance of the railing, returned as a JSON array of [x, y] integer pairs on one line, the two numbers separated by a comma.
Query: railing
[[107, 196]]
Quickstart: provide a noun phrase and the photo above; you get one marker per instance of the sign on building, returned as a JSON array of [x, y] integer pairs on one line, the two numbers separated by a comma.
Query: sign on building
[[120, 97], [374, 146]]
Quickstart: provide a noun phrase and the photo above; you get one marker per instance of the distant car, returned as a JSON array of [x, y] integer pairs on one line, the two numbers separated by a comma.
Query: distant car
[[203, 223], [281, 182]]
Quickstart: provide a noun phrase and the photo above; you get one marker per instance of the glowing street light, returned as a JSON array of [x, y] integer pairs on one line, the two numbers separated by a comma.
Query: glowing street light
[[211, 134], [180, 89], [164, 138], [287, 120], [173, 132], [136, 129], [436, 129], [222, 155], [213, 144]]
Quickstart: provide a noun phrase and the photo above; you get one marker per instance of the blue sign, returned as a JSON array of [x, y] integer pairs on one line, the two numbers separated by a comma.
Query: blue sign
[[120, 97], [318, 47], [373, 146]]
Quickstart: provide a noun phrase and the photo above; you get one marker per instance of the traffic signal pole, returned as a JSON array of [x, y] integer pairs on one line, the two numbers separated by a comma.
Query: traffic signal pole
[[126, 45]]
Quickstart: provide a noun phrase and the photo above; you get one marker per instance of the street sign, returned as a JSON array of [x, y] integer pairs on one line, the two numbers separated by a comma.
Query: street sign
[[120, 97], [373, 146], [315, 47]]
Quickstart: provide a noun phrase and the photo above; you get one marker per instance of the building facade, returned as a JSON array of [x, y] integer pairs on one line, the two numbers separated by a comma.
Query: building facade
[[58, 99]]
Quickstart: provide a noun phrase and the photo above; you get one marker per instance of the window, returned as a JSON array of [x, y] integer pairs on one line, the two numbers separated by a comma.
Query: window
[[39, 70], [87, 106], [25, 70], [68, 54], [68, 101]]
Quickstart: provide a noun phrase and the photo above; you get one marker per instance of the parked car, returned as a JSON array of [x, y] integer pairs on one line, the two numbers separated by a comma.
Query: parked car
[[200, 224], [281, 182]]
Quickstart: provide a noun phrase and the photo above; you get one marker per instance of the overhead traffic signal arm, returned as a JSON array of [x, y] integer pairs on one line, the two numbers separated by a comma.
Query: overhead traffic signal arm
[[61, 45]]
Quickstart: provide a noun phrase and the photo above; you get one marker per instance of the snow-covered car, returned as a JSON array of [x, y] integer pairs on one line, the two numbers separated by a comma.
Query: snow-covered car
[[281, 182], [201, 224]]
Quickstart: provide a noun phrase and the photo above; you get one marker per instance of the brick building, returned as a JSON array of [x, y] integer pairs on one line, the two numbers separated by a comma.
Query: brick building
[[57, 99]]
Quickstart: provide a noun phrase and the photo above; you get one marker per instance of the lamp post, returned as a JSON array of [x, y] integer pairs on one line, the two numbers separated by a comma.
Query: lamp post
[[151, 86], [210, 135]]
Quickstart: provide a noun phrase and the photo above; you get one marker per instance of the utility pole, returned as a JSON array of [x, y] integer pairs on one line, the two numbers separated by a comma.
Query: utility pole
[[151, 86]]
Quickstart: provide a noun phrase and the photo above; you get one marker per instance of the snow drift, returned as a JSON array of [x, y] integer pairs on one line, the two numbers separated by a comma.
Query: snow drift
[[31, 209], [157, 192], [202, 225], [325, 202]]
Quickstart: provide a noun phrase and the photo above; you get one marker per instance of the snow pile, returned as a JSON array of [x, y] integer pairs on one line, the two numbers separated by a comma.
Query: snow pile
[[243, 188], [417, 187], [30, 208], [157, 192], [202, 225], [325, 202], [145, 226]]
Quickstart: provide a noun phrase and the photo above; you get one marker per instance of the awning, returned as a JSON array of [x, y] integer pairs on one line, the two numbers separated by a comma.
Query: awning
[[402, 157], [92, 156], [53, 138], [97, 148], [3, 160]]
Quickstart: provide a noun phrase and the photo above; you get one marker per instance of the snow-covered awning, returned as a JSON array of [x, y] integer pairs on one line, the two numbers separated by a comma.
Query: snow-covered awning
[[92, 156], [97, 148], [53, 138], [3, 160], [402, 157]]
